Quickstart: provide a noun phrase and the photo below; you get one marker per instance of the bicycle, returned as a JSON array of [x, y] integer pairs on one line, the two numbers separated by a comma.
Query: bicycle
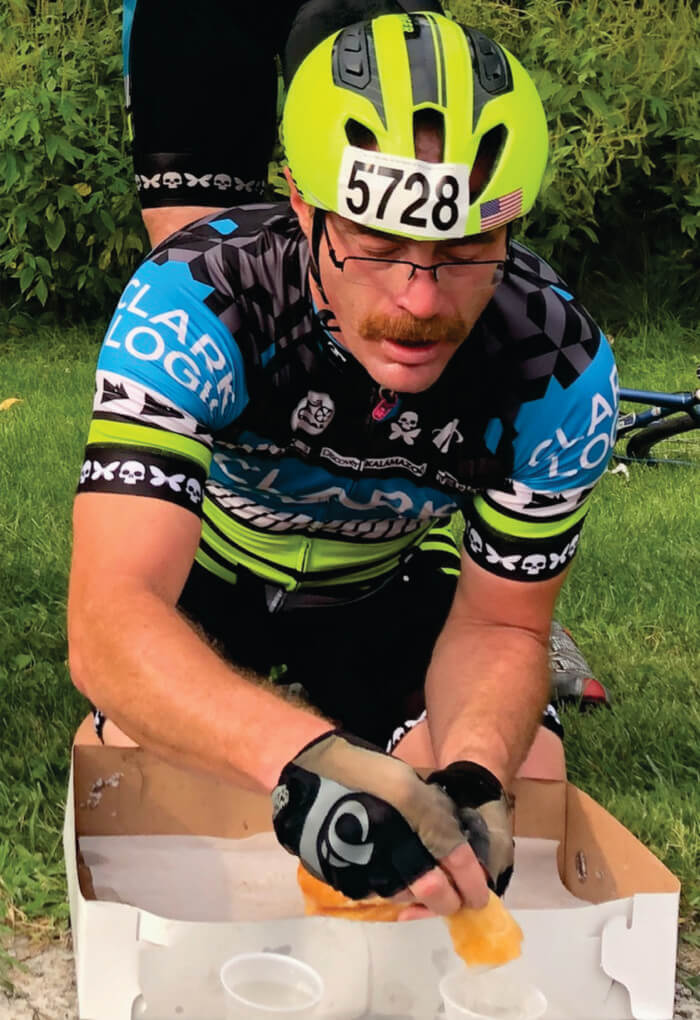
[[672, 419]]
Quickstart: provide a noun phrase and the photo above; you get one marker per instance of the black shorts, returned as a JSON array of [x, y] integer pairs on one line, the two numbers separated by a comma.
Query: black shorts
[[201, 84], [362, 662]]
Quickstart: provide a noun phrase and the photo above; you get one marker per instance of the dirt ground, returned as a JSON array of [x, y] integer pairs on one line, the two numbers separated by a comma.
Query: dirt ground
[[44, 987]]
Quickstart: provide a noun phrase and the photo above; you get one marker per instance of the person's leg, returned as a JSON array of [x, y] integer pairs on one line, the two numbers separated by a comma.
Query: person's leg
[[201, 87], [112, 736], [363, 663], [545, 759]]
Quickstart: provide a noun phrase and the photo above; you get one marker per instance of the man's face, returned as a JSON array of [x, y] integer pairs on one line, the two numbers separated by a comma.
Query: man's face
[[404, 329]]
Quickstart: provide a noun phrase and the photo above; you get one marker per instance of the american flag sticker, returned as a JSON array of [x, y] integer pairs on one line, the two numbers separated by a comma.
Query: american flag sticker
[[501, 210]]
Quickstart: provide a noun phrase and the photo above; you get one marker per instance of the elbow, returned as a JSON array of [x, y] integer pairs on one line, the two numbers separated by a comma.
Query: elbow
[[78, 667], [78, 674], [80, 656]]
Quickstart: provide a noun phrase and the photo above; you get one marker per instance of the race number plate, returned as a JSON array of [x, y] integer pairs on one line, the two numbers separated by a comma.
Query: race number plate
[[404, 196]]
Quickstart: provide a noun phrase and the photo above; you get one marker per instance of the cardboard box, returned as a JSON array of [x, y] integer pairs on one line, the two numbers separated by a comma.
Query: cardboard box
[[604, 946]]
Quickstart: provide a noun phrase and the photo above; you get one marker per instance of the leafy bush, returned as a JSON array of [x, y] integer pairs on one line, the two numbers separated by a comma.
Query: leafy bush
[[70, 227], [622, 189], [620, 85]]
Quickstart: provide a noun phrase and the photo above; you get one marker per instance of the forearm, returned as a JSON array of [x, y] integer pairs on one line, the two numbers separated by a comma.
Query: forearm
[[486, 689], [150, 672]]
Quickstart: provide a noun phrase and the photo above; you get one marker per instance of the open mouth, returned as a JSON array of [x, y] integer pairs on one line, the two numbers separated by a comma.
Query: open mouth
[[412, 352], [413, 343]]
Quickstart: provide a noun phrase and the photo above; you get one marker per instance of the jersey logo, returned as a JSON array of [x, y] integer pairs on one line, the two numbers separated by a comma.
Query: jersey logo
[[406, 428], [313, 413], [446, 435]]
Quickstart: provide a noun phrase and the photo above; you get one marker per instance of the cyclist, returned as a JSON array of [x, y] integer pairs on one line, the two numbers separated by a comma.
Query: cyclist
[[290, 407], [185, 166]]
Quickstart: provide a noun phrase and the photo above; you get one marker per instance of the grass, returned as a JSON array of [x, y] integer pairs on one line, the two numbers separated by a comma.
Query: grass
[[631, 603]]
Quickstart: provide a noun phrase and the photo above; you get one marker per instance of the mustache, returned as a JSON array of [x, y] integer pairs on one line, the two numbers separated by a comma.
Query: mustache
[[449, 329]]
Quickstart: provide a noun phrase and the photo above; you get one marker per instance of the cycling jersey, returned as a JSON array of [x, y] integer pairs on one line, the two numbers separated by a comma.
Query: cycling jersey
[[220, 389]]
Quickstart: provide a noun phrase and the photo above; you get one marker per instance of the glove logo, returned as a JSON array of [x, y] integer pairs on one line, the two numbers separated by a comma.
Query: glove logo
[[280, 799], [340, 846]]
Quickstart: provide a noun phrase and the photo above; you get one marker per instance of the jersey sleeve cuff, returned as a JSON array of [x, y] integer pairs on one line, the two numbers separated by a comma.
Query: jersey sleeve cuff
[[535, 557], [142, 472]]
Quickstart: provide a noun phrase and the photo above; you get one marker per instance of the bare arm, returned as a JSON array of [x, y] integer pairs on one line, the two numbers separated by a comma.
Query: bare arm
[[488, 681], [136, 657]]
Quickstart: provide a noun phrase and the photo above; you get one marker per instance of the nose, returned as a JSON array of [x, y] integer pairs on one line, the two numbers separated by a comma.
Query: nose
[[421, 295]]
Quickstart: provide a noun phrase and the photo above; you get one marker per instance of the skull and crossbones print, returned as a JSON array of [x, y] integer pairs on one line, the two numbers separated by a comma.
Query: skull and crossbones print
[[406, 428]]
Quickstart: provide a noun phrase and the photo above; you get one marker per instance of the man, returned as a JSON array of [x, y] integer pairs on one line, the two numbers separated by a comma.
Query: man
[[186, 166], [327, 387]]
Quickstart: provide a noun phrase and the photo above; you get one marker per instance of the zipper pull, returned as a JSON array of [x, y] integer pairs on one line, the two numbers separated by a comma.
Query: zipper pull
[[388, 402]]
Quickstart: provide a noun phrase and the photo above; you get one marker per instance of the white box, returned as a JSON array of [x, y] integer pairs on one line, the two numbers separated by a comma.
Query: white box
[[603, 946]]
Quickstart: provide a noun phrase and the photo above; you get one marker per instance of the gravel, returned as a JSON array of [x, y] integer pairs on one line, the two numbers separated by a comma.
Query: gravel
[[44, 984]]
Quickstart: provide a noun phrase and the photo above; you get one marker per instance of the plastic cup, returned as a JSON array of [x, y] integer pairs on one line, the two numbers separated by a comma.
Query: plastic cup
[[270, 985], [492, 995]]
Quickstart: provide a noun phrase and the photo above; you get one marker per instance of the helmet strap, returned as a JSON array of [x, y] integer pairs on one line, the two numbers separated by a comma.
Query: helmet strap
[[317, 221]]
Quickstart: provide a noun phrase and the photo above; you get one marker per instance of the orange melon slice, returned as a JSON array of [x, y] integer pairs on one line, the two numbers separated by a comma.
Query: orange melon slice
[[490, 936], [320, 898]]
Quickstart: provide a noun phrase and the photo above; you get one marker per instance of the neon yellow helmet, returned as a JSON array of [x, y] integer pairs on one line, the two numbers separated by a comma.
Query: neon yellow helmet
[[371, 83]]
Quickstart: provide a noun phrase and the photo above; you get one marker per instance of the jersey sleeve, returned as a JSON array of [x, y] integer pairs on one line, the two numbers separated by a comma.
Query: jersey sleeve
[[169, 374], [528, 529]]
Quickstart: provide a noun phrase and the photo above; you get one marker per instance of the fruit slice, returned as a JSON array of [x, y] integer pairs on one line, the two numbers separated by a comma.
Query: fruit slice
[[320, 898], [489, 936]]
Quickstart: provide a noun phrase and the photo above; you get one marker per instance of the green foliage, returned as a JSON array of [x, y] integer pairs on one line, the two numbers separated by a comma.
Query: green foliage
[[620, 84], [622, 191], [70, 227]]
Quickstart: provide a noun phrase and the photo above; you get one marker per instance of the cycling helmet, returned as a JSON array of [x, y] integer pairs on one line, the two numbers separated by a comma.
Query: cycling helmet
[[348, 128]]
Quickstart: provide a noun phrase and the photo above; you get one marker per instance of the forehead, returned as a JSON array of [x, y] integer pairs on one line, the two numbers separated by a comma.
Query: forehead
[[352, 229]]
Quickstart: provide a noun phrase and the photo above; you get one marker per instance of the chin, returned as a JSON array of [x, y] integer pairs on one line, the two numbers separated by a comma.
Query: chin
[[405, 379]]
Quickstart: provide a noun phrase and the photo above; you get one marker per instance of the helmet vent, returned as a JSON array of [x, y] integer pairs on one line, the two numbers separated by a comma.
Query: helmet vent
[[429, 123], [359, 135], [491, 70], [355, 65], [487, 156], [351, 59], [490, 64]]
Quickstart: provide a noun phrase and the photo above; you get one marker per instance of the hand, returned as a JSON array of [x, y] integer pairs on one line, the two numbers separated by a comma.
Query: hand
[[366, 823], [485, 813]]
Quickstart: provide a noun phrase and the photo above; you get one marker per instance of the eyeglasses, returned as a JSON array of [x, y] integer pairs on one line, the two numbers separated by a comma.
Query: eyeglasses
[[366, 270]]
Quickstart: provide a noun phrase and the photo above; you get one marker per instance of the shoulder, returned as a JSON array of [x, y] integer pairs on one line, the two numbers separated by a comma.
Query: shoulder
[[198, 314], [548, 332], [216, 248], [558, 372]]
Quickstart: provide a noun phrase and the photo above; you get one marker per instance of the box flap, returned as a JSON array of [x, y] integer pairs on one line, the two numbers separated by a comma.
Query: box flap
[[540, 809], [636, 954], [129, 791], [603, 860]]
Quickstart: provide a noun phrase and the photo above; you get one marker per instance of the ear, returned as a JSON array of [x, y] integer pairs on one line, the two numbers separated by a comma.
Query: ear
[[303, 210]]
